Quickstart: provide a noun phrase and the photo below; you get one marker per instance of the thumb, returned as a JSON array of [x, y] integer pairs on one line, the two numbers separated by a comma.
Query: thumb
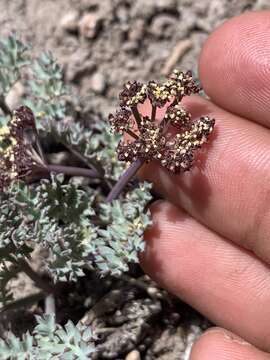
[[221, 344]]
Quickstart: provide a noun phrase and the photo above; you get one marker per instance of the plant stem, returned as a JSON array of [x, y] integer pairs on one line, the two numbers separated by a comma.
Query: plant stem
[[73, 171], [153, 114], [124, 179], [83, 159], [50, 304], [38, 281], [131, 133], [95, 167], [4, 106], [136, 115], [24, 302]]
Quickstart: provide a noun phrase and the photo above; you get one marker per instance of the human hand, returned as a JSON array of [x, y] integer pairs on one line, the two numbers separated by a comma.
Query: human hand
[[210, 240]]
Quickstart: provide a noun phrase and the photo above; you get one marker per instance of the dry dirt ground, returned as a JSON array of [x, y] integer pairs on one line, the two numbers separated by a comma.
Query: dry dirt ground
[[101, 44]]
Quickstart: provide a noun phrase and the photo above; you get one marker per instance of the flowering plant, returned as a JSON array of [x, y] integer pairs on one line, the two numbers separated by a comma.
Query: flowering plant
[[88, 213]]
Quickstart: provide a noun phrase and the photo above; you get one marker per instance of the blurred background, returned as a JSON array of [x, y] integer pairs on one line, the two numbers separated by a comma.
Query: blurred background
[[103, 43]]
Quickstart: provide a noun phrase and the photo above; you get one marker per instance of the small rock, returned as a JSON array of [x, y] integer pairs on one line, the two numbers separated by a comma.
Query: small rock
[[75, 72], [98, 83], [79, 64], [59, 158], [133, 355], [166, 4], [89, 25], [69, 21], [122, 14], [149, 8], [144, 9], [130, 46], [261, 5], [152, 291], [14, 96], [131, 64], [137, 30], [163, 26]]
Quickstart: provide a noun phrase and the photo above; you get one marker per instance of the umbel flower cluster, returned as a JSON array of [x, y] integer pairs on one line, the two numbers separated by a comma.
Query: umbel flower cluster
[[172, 140], [16, 161]]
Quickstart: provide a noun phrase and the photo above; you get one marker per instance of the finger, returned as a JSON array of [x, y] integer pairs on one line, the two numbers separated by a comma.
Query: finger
[[223, 345], [227, 284], [235, 66], [229, 190]]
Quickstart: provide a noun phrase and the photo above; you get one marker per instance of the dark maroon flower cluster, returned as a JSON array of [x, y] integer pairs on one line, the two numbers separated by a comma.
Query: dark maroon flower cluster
[[15, 157], [152, 140]]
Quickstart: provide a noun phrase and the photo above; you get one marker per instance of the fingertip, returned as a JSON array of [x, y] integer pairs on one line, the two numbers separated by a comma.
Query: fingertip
[[221, 344], [225, 46], [234, 66]]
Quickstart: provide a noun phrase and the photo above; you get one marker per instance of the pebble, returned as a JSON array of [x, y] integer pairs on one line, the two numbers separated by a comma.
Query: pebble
[[137, 30], [133, 355], [166, 4], [89, 25], [262, 5], [69, 21], [98, 83], [131, 64], [59, 158], [148, 8], [163, 26], [13, 98], [130, 46], [122, 14], [152, 291], [143, 9]]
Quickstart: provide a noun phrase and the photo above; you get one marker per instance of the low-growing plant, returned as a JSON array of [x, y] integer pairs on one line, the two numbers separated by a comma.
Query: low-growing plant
[[96, 224], [50, 341]]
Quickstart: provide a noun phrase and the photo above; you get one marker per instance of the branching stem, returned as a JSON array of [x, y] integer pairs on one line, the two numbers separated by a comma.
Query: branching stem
[[84, 160], [154, 112], [73, 171], [124, 179], [50, 304], [136, 115], [131, 133], [24, 302]]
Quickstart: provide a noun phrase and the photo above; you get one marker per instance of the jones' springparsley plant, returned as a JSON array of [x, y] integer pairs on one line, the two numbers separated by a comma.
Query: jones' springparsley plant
[[98, 224], [50, 341]]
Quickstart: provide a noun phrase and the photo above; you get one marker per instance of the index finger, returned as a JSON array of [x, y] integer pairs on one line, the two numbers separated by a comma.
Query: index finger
[[235, 66]]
